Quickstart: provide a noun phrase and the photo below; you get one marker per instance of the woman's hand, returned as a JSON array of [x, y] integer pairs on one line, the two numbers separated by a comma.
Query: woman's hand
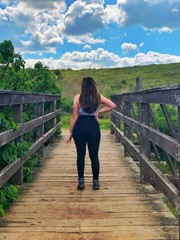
[[97, 115], [69, 138]]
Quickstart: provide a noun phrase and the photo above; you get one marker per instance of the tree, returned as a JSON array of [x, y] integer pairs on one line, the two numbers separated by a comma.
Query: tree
[[10, 59], [44, 80], [19, 63], [6, 55]]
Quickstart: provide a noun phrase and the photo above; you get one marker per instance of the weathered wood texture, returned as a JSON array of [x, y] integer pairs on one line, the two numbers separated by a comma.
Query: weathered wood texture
[[17, 100], [51, 208], [141, 121]]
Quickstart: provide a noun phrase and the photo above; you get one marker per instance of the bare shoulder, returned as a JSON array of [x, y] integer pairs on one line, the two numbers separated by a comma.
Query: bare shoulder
[[76, 99], [103, 99], [107, 102]]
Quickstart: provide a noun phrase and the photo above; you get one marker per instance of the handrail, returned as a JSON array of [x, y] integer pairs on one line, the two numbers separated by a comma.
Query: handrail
[[17, 101], [134, 125]]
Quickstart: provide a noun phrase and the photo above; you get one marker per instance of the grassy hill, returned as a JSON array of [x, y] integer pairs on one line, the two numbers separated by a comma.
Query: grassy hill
[[119, 80]]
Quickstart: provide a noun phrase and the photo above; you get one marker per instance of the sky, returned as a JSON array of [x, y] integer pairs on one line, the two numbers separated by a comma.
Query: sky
[[96, 34]]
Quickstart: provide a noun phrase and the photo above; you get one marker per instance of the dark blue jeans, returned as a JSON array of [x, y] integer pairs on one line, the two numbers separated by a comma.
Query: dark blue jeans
[[87, 131]]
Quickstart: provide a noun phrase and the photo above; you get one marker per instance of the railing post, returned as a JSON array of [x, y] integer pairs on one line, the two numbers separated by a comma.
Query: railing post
[[17, 178], [58, 106], [138, 84], [127, 129], [112, 120], [39, 132], [117, 123], [179, 160], [145, 146], [51, 122]]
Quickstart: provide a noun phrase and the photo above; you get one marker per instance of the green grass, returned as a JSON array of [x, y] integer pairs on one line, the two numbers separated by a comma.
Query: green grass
[[171, 207], [120, 80], [66, 118]]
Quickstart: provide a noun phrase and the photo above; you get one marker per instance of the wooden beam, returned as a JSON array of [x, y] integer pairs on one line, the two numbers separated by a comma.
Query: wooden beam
[[167, 143], [161, 181]]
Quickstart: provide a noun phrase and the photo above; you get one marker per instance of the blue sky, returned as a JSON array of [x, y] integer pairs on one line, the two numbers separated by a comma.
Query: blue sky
[[92, 33]]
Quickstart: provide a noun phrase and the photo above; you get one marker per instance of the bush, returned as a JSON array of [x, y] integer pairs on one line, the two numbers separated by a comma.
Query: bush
[[66, 105], [8, 194]]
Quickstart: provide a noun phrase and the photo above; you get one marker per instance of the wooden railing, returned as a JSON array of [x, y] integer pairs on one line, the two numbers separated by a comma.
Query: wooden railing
[[135, 125], [45, 111]]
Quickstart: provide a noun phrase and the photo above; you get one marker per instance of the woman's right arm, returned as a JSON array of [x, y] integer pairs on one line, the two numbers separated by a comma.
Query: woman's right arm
[[108, 105], [74, 117]]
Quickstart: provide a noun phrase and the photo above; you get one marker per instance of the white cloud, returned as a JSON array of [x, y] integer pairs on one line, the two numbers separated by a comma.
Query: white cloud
[[151, 14], [114, 14], [128, 47], [34, 28], [101, 58], [43, 26], [45, 4], [8, 2], [84, 39], [175, 9], [141, 44], [87, 47], [84, 17]]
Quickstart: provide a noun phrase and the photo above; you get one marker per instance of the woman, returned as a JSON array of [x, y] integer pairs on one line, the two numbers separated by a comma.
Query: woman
[[84, 127]]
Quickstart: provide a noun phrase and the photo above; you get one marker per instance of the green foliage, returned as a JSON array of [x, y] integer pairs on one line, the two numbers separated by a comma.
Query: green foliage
[[171, 207], [44, 80], [8, 194], [66, 104], [2, 213], [14, 76], [120, 80], [57, 72], [16, 81], [66, 119], [6, 121], [19, 63], [104, 123], [9, 153], [28, 169], [58, 132], [31, 163], [12, 151], [161, 121], [6, 52], [11, 193], [10, 62]]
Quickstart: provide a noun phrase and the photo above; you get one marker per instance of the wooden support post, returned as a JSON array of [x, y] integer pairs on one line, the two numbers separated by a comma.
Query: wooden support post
[[17, 178], [39, 131], [145, 146], [127, 129], [58, 106], [51, 122], [138, 84], [117, 122], [112, 120], [179, 161]]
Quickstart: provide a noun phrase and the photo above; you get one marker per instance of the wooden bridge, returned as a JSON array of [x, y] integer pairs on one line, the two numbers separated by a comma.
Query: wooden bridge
[[51, 207]]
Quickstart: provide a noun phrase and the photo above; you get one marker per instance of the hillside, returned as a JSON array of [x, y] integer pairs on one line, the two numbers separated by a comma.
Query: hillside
[[119, 80]]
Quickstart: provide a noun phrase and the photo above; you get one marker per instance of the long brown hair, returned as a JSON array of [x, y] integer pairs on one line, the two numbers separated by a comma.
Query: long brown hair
[[90, 97]]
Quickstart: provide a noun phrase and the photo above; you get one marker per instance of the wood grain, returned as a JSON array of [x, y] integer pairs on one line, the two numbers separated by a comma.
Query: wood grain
[[51, 207]]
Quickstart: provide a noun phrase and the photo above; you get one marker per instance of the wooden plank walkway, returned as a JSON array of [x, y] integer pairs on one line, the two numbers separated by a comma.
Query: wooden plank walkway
[[51, 207]]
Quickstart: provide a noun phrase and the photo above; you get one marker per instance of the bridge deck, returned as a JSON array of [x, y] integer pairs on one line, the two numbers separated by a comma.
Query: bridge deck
[[51, 207]]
